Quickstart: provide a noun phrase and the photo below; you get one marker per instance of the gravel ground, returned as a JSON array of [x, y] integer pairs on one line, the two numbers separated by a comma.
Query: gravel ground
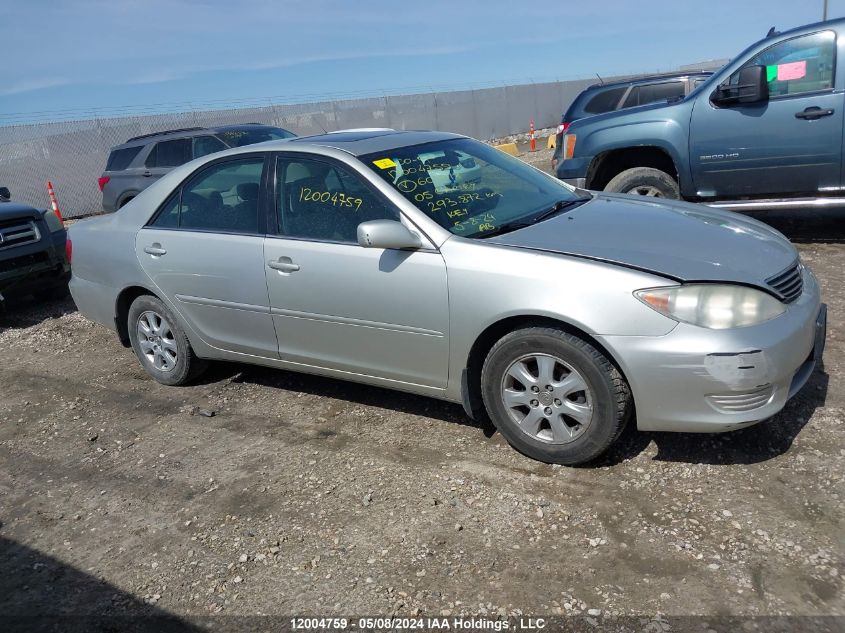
[[266, 492]]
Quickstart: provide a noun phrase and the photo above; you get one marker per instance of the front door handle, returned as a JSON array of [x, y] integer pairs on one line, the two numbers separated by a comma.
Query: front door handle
[[283, 265], [147, 173], [813, 113], [155, 250]]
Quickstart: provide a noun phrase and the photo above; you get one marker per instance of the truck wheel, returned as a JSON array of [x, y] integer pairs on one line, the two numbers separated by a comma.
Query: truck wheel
[[554, 396], [645, 181], [161, 344]]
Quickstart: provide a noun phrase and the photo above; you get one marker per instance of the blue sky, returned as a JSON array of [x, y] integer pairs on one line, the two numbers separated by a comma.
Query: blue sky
[[61, 55]]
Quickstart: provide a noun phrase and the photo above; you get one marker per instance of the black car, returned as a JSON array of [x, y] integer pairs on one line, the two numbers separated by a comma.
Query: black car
[[607, 97], [140, 161], [33, 257]]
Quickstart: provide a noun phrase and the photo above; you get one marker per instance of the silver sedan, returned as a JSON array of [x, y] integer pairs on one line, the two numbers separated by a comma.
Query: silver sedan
[[559, 313]]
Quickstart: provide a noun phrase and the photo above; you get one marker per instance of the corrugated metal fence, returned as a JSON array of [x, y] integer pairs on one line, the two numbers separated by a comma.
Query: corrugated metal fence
[[72, 154]]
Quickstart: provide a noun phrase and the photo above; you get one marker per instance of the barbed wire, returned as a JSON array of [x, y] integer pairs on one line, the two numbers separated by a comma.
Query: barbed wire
[[200, 105]]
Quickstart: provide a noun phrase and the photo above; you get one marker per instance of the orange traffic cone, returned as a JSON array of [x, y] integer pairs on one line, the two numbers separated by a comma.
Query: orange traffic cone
[[54, 202]]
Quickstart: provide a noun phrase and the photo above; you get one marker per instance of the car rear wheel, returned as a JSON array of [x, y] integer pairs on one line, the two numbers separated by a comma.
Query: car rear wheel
[[160, 343], [554, 396], [645, 181]]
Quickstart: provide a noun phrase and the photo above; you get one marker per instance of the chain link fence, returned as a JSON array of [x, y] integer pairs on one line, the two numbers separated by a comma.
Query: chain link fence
[[72, 154]]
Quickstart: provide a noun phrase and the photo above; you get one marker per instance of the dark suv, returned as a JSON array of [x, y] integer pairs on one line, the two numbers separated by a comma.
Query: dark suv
[[33, 258], [140, 161], [601, 98]]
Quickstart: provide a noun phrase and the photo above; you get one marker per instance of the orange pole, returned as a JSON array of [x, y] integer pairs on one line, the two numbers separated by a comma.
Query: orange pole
[[54, 202], [531, 137]]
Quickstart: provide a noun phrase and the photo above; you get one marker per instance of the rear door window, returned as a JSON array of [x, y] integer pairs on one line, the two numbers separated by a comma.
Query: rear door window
[[120, 159], [224, 197], [652, 93], [170, 153]]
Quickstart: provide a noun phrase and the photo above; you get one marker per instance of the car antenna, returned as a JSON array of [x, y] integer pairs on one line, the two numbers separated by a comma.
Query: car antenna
[[772, 32], [601, 81]]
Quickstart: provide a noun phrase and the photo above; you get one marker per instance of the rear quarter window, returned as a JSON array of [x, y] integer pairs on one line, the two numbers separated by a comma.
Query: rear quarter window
[[605, 101], [121, 158]]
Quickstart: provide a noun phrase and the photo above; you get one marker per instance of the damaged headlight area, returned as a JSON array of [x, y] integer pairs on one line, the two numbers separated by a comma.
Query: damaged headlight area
[[714, 306]]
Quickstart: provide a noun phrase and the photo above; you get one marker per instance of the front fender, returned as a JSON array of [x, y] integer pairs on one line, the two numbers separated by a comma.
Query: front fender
[[663, 126], [666, 134]]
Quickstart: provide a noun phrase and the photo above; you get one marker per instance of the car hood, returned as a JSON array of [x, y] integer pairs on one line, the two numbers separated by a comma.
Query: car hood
[[14, 210], [678, 240]]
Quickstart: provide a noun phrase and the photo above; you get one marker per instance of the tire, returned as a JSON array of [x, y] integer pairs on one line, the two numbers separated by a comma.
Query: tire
[[123, 202], [583, 423], [645, 181], [166, 355]]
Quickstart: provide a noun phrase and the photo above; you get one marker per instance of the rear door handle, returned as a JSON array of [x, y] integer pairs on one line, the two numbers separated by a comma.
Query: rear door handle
[[283, 265], [155, 250], [813, 113], [147, 173]]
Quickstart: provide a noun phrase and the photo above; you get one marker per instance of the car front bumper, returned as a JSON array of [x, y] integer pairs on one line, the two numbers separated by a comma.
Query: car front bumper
[[574, 169], [701, 381], [33, 267]]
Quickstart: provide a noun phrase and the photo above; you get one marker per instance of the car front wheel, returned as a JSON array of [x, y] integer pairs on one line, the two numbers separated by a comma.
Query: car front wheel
[[160, 343], [554, 396]]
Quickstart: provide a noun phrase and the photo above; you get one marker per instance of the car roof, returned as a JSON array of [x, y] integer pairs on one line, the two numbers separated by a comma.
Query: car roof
[[650, 79], [185, 132], [360, 142]]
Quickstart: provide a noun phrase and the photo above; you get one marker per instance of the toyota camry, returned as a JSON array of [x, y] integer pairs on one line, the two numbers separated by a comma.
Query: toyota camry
[[559, 313]]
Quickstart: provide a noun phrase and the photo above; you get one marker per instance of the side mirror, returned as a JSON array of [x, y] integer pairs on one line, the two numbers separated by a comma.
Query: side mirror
[[5, 194], [387, 234], [752, 86]]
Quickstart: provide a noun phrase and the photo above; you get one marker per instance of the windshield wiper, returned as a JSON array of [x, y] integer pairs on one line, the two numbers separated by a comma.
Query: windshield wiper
[[507, 227], [558, 207]]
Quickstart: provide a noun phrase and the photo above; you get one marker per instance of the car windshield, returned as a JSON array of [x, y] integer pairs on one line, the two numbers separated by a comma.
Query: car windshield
[[468, 187], [238, 138]]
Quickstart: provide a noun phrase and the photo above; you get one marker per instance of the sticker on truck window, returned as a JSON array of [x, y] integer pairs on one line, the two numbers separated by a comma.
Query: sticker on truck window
[[793, 70], [786, 72]]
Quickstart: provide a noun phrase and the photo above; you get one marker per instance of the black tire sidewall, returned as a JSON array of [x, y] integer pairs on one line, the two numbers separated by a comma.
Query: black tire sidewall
[[603, 428], [630, 178], [181, 372]]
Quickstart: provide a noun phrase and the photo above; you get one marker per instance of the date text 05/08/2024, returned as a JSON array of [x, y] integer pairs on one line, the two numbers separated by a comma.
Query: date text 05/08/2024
[[416, 624]]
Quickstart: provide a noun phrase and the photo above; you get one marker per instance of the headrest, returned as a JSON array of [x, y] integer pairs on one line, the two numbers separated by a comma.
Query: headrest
[[248, 191]]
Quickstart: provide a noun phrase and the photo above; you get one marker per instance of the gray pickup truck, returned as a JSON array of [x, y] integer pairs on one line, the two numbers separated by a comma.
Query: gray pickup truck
[[765, 131]]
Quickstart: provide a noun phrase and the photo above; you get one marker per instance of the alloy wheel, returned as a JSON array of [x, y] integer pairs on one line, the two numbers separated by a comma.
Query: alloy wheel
[[547, 398], [156, 340]]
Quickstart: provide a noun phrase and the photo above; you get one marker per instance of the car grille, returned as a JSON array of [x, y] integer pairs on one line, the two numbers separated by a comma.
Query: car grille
[[788, 284], [16, 263], [738, 402], [17, 233]]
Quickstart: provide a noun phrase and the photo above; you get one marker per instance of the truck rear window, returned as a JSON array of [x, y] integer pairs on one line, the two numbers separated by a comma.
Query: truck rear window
[[120, 158]]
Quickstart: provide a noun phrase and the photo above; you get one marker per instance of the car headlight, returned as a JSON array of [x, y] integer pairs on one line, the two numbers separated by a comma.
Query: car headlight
[[714, 306], [53, 221]]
